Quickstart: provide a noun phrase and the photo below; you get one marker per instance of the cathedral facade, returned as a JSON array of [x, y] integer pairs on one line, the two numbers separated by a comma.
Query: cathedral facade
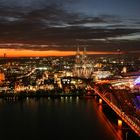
[[82, 67]]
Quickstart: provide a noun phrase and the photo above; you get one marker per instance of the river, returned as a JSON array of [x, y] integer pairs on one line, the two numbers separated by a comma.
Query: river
[[45, 119]]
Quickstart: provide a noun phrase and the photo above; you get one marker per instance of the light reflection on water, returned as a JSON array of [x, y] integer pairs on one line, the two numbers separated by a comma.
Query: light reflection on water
[[71, 116], [104, 120]]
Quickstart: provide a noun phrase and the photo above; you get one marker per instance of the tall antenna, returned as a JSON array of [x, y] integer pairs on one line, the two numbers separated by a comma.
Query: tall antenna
[[4, 55]]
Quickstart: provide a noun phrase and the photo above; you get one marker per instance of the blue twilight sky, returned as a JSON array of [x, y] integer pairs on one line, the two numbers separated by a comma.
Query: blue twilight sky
[[59, 24], [129, 8], [124, 8]]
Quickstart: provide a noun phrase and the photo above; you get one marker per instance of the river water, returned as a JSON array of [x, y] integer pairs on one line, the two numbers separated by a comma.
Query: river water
[[45, 119]]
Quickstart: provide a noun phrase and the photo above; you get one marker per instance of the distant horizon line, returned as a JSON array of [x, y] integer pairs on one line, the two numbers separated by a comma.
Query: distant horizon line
[[9, 52], [28, 53]]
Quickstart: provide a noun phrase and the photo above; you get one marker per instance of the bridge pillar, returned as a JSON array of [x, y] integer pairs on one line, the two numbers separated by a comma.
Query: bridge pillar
[[100, 101], [95, 97], [119, 123]]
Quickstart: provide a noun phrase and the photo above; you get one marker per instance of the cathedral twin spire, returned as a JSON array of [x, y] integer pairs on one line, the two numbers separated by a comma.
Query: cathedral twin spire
[[81, 58], [82, 66], [78, 51]]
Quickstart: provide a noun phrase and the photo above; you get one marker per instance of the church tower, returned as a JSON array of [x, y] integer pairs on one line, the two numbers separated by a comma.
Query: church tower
[[84, 56], [78, 59]]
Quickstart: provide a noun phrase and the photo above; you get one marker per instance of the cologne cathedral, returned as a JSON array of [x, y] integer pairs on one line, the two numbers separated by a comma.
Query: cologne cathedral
[[82, 67]]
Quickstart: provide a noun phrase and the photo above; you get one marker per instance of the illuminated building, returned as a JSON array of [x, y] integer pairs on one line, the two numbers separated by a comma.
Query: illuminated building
[[83, 67], [102, 74], [2, 77], [124, 70]]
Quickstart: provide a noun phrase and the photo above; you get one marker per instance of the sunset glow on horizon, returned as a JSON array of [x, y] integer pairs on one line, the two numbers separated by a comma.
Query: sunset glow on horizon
[[32, 53]]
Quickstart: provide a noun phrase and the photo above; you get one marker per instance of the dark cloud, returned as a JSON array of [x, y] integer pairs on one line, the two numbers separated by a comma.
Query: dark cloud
[[51, 23]]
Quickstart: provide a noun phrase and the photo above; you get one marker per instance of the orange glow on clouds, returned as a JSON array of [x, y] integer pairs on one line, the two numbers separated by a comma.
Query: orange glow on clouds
[[28, 53]]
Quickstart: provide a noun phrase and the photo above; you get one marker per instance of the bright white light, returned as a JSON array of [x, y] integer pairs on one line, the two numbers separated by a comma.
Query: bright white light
[[137, 81], [42, 68]]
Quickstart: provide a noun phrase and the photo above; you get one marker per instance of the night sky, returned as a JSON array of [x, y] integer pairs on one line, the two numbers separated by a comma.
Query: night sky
[[62, 25]]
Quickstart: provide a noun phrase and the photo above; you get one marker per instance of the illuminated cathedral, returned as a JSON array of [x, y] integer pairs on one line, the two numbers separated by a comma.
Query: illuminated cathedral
[[82, 67]]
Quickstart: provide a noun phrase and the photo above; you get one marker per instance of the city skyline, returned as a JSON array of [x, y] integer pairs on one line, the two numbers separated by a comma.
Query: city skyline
[[70, 69], [57, 27]]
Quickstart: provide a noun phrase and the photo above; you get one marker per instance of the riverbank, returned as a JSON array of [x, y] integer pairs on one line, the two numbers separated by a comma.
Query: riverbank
[[43, 94]]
